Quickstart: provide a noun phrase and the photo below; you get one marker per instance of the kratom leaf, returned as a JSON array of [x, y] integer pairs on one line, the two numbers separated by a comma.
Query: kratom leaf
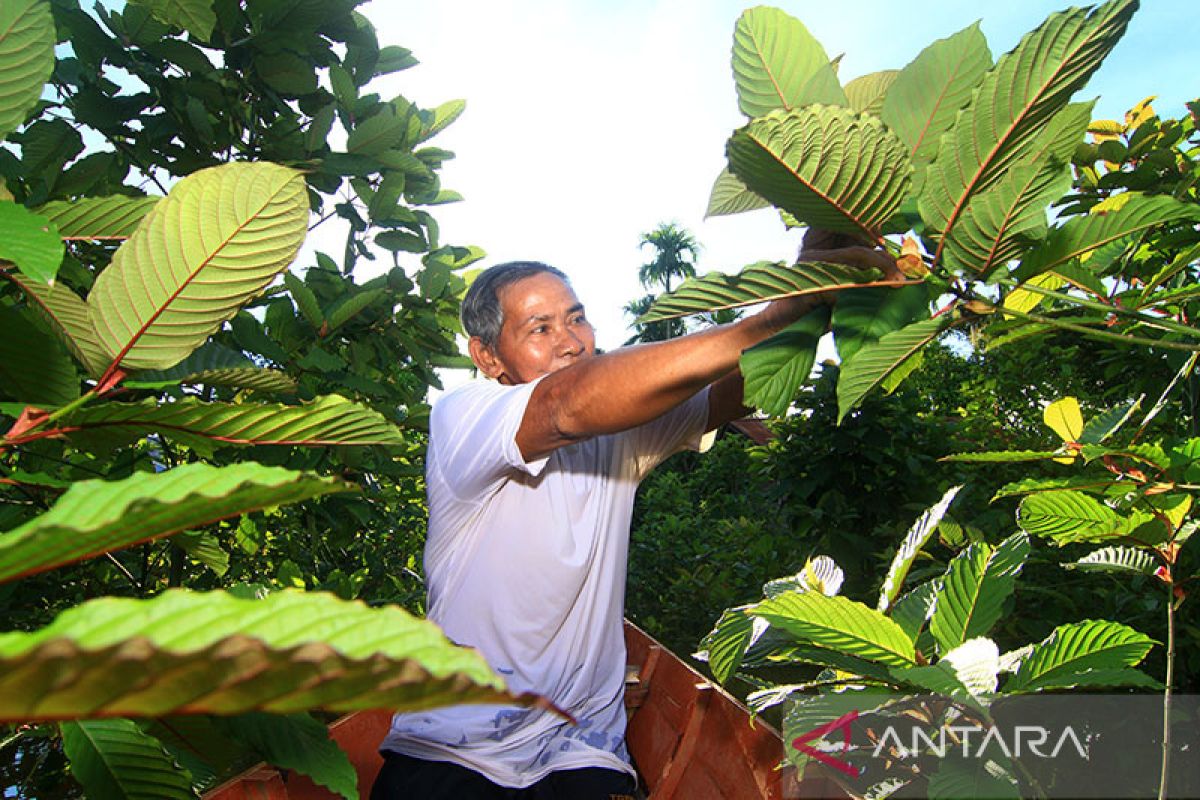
[[328, 420], [215, 365], [440, 118], [914, 609], [929, 91], [27, 38], [306, 301], [1000, 224], [297, 742], [727, 642], [914, 540], [197, 17], [775, 370], [827, 166], [730, 196], [114, 217], [69, 316], [1104, 425], [810, 712], [875, 362], [938, 679], [1023, 299], [1084, 233], [114, 760], [203, 547], [1064, 418], [1076, 647], [974, 589], [1098, 678], [777, 64], [976, 662], [211, 653], [347, 309], [1002, 456], [756, 283], [97, 516], [1130, 560], [34, 367], [839, 624], [30, 241], [1032, 485], [1069, 516], [864, 316], [212, 244], [866, 93], [1013, 103], [820, 574]]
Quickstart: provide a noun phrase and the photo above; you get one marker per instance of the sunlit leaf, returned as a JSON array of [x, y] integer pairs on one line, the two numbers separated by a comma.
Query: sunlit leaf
[[820, 574], [914, 540], [1077, 647], [1003, 456], [755, 284], [1129, 560], [777, 64], [1069, 516], [1104, 425], [187, 652], [974, 589], [97, 516], [838, 623], [1025, 300], [727, 642], [27, 38], [1031, 485], [212, 244], [730, 196], [866, 93], [1013, 103], [1064, 418], [827, 166], [113, 217]]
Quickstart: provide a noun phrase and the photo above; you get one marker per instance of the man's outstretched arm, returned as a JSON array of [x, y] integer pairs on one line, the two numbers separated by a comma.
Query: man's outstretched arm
[[634, 385]]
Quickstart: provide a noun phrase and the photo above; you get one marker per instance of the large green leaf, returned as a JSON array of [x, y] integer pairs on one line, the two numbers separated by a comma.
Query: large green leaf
[[927, 94], [30, 241], [914, 609], [974, 589], [211, 653], [216, 241], [1000, 224], [69, 316], [839, 624], [873, 363], [26, 58], [778, 64], [1013, 103], [827, 166], [1077, 647], [865, 94], [1070, 516], [114, 760], [1032, 485], [297, 742], [730, 196], [1081, 234], [114, 217], [914, 540], [94, 517], [864, 316], [775, 370], [197, 17], [1128, 560], [34, 367], [726, 644], [756, 283], [328, 420]]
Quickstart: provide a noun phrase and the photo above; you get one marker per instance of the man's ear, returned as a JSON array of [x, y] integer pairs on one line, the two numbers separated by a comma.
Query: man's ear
[[485, 358]]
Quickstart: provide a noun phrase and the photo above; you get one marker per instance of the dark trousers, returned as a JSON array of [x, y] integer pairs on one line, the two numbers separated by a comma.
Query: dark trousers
[[407, 778]]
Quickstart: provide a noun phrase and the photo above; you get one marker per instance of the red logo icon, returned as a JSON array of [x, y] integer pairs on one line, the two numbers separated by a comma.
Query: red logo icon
[[842, 723]]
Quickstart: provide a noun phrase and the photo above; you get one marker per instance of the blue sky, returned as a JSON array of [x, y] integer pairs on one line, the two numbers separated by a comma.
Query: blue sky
[[588, 123]]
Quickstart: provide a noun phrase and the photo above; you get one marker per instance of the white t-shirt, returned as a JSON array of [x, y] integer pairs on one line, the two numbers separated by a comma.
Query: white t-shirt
[[526, 561]]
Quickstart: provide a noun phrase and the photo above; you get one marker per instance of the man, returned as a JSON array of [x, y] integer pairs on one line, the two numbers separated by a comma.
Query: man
[[531, 479]]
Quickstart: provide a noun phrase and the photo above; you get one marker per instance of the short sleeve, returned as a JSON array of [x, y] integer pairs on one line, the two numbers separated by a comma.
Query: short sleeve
[[681, 428], [473, 436]]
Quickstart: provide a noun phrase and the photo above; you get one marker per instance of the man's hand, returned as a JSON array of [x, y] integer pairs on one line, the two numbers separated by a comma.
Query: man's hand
[[834, 248]]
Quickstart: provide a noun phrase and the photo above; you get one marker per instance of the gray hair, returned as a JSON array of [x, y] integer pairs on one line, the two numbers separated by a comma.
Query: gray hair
[[481, 314]]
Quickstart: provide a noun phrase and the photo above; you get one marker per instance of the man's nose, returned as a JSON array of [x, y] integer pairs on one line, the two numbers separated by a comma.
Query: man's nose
[[570, 344]]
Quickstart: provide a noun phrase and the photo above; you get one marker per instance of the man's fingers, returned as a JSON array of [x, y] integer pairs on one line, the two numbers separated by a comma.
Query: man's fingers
[[821, 239]]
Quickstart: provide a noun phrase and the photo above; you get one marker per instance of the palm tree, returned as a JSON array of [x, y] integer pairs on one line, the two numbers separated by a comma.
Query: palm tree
[[675, 253]]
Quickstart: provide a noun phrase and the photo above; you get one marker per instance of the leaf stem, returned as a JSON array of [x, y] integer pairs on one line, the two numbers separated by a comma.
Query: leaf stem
[[1164, 777]]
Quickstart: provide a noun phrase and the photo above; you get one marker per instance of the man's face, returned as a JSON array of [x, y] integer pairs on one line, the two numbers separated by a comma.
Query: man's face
[[544, 330]]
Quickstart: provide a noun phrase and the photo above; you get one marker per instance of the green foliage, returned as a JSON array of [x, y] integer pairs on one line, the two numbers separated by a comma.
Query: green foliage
[[176, 416]]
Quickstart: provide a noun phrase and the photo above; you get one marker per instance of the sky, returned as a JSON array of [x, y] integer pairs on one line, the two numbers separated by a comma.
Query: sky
[[589, 123]]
